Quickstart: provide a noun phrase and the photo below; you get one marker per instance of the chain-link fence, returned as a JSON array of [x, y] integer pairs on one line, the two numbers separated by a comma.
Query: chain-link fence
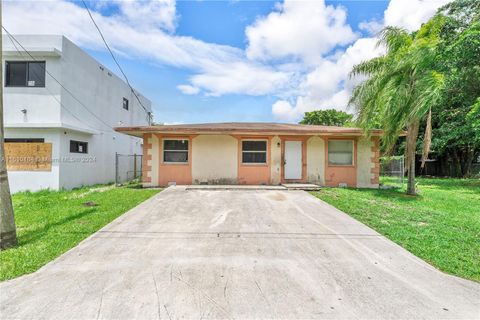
[[128, 167], [392, 171]]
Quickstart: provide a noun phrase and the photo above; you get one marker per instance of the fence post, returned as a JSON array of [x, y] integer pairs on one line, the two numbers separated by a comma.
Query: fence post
[[134, 166], [116, 168]]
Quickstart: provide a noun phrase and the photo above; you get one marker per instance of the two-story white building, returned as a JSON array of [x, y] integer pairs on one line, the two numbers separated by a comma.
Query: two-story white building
[[60, 101]]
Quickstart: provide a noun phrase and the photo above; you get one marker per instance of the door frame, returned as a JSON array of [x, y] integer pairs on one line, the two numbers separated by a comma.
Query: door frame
[[303, 139]]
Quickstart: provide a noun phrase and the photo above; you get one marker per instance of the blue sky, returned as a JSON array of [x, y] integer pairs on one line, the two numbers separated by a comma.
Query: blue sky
[[213, 61]]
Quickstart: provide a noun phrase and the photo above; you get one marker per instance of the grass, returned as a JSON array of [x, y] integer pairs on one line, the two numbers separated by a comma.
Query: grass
[[441, 225], [51, 222]]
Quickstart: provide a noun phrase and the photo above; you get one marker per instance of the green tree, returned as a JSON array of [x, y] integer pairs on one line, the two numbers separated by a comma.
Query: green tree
[[330, 117], [401, 87], [456, 137]]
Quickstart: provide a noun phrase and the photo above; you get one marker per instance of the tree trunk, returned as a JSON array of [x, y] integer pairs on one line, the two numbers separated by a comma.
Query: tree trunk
[[466, 162], [411, 150], [8, 232], [457, 168]]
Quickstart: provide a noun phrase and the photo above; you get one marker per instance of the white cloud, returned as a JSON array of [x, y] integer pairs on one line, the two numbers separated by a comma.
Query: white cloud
[[372, 26], [188, 89], [136, 38], [240, 77], [300, 29], [159, 13], [328, 85], [410, 14], [289, 52]]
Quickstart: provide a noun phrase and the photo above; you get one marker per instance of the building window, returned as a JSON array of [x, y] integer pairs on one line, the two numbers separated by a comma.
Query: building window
[[125, 103], [78, 146], [25, 74], [340, 152], [254, 151], [24, 140], [175, 151]]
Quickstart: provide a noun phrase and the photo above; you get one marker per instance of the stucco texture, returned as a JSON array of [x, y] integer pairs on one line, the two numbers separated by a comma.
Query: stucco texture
[[214, 159], [276, 161], [365, 164], [316, 160]]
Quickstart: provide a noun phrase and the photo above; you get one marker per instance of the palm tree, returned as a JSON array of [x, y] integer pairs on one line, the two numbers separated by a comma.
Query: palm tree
[[400, 88]]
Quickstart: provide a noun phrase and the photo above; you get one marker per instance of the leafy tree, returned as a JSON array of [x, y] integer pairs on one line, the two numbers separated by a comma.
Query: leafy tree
[[330, 117], [456, 135], [401, 87]]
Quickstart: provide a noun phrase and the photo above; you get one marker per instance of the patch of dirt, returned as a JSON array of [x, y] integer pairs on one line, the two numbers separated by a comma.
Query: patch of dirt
[[89, 191], [277, 196]]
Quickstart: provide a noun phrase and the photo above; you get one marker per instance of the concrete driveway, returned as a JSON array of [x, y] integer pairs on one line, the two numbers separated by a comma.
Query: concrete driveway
[[237, 254]]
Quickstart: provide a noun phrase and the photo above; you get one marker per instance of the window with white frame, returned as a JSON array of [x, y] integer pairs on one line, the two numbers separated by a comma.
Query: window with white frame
[[340, 152], [254, 151], [175, 151]]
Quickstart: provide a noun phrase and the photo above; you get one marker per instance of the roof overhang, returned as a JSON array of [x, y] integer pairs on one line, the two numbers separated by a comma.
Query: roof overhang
[[34, 51], [175, 130]]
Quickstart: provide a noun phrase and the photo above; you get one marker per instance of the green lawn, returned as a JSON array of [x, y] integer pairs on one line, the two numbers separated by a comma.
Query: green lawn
[[441, 225], [51, 222]]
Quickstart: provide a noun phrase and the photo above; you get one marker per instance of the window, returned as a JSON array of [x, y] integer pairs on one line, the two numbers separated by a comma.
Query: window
[[175, 151], [254, 151], [125, 103], [340, 152], [25, 74], [78, 146], [24, 140]]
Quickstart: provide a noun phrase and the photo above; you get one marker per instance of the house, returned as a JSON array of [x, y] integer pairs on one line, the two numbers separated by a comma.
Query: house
[[60, 107], [258, 153]]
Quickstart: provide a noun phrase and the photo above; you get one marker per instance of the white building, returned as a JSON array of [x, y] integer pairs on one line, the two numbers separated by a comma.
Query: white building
[[75, 114]]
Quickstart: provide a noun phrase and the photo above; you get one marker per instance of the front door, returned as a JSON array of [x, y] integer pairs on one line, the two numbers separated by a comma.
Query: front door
[[293, 160]]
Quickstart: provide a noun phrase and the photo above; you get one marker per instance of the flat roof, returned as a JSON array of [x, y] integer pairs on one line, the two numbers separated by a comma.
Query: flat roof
[[245, 128]]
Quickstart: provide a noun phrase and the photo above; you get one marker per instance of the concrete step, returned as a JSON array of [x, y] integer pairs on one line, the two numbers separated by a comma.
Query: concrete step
[[234, 187], [301, 186]]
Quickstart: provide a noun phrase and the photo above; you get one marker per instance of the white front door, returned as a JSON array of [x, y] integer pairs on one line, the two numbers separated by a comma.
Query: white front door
[[293, 160]]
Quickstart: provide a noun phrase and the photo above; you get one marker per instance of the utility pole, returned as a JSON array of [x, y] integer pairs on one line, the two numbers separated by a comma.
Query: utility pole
[[8, 230]]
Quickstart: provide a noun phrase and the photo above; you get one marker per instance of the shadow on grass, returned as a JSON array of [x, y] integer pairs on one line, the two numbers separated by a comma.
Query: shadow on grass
[[390, 194], [471, 185], [134, 186], [38, 234]]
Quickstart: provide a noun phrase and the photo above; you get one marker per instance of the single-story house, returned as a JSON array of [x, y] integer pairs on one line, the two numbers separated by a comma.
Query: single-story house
[[258, 153]]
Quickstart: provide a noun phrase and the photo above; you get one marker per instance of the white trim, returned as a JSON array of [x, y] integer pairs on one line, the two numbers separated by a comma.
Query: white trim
[[255, 151], [341, 165], [176, 139]]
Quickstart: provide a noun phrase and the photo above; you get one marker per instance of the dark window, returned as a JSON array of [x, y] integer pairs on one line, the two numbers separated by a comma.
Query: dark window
[[78, 146], [125, 103], [175, 151], [254, 151], [25, 74], [24, 140]]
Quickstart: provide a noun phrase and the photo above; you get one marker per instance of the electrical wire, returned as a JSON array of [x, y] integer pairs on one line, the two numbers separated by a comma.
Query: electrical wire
[[51, 93], [116, 62], [56, 80]]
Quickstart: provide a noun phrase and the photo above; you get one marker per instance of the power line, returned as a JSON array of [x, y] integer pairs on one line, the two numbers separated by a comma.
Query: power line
[[51, 93], [53, 77], [116, 62]]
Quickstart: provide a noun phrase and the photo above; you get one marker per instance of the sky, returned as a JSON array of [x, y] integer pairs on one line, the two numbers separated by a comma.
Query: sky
[[221, 61]]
